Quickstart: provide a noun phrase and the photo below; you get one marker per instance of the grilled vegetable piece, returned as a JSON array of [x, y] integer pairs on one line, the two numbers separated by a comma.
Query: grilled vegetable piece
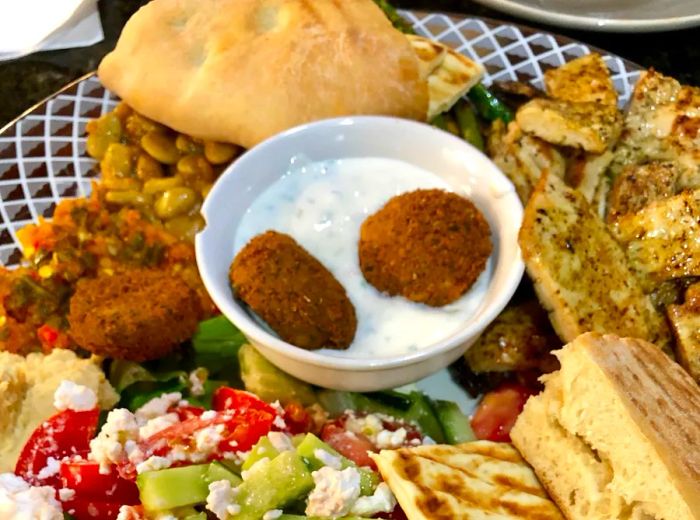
[[515, 93], [585, 79], [685, 321], [581, 274], [520, 338], [522, 157], [488, 105], [638, 185], [663, 239], [398, 21], [585, 171], [468, 124], [590, 126], [661, 124], [479, 479]]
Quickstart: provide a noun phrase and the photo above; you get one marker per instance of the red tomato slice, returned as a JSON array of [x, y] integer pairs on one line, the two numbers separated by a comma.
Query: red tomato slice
[[498, 410], [351, 445], [82, 509], [85, 479], [188, 411], [227, 398], [64, 434], [297, 419]]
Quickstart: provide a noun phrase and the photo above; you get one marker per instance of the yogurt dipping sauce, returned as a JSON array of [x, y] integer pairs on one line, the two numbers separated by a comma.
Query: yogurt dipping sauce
[[322, 206]]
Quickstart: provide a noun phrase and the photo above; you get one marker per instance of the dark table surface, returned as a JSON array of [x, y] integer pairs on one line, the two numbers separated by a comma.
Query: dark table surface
[[25, 81]]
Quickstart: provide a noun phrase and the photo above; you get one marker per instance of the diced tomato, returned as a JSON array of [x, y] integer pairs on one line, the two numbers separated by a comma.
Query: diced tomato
[[85, 479], [352, 445], [297, 418], [498, 410], [64, 434], [227, 398], [85, 509], [188, 411]]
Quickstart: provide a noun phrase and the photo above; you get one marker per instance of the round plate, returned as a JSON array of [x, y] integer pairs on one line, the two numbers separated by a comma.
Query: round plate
[[605, 15], [43, 158]]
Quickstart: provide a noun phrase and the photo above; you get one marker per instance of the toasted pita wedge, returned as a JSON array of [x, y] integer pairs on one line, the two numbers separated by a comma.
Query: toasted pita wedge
[[449, 81], [429, 52], [581, 274], [476, 480], [614, 434], [243, 70]]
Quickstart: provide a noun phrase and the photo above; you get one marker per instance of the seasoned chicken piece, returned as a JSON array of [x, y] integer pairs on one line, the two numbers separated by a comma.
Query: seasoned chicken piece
[[639, 185], [593, 127], [520, 338], [585, 79], [662, 124], [522, 157], [663, 239], [585, 171], [580, 272], [685, 321]]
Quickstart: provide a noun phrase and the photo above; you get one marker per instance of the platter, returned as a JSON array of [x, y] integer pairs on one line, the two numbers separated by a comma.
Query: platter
[[605, 15], [43, 157]]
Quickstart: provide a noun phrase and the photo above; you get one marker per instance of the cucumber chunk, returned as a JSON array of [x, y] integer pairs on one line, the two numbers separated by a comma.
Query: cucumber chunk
[[454, 423], [173, 487], [273, 484], [196, 516], [369, 480], [217, 471], [269, 382], [262, 449]]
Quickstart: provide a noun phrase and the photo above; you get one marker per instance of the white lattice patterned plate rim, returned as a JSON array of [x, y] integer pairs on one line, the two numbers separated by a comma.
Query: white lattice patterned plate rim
[[43, 158]]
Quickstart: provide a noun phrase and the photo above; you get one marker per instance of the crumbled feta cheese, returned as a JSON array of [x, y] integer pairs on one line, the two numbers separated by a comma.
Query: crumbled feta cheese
[[129, 513], [65, 494], [382, 501], [19, 500], [221, 499], [328, 459], [109, 446], [70, 396], [388, 440], [208, 415], [165, 516], [53, 466], [280, 441], [153, 463], [334, 493], [273, 514], [158, 406], [208, 439], [197, 378], [279, 423], [158, 424]]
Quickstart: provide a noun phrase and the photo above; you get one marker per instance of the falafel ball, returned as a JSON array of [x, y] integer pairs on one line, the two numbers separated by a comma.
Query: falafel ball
[[428, 246], [135, 314], [293, 293]]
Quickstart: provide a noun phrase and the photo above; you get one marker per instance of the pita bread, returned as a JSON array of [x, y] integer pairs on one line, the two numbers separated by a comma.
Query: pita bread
[[430, 54], [476, 480], [243, 70]]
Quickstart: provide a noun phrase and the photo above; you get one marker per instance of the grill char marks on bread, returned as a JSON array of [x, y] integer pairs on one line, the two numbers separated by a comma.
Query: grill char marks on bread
[[615, 433], [243, 70]]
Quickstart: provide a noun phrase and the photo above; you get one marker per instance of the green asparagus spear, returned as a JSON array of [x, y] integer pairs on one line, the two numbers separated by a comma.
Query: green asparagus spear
[[488, 105], [468, 124]]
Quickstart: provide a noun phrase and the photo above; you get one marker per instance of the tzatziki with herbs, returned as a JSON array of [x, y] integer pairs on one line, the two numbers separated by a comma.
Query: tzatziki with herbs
[[323, 205]]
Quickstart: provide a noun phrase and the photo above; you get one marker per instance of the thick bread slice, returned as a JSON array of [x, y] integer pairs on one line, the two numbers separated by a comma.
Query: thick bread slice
[[592, 127], [476, 481], [632, 418], [585, 79], [580, 272], [429, 52]]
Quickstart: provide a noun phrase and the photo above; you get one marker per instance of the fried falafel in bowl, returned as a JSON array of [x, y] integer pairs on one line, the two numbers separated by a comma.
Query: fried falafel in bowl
[[361, 253]]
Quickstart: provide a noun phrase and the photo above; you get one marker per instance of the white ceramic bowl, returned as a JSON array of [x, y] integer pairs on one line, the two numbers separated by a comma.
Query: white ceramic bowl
[[463, 167]]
